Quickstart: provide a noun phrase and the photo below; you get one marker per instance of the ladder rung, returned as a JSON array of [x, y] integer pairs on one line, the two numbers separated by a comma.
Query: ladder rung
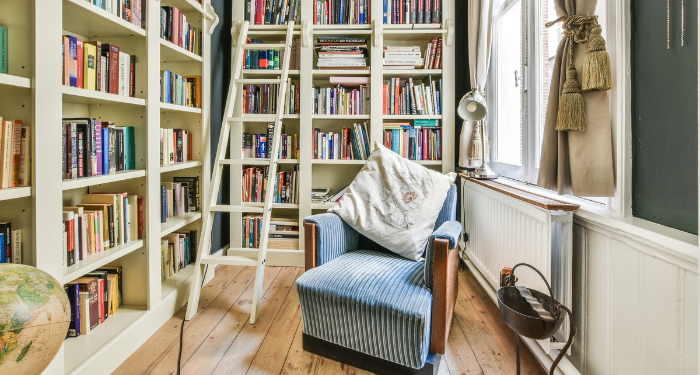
[[261, 161], [229, 260], [270, 118], [258, 81], [259, 46], [232, 208]]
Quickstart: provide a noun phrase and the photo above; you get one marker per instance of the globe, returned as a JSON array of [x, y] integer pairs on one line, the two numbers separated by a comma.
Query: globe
[[34, 319]]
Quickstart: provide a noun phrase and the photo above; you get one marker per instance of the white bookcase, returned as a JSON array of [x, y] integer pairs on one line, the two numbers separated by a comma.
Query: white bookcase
[[335, 174], [33, 92]]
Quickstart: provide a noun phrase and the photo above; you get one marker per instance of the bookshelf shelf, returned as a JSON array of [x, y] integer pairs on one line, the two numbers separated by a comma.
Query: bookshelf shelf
[[266, 72], [345, 72], [14, 193], [176, 223], [84, 96], [180, 166], [105, 179], [405, 73], [340, 117], [274, 205], [172, 53], [95, 22], [412, 117], [323, 206], [428, 162], [184, 5], [97, 260], [167, 107], [172, 284], [338, 161], [344, 29], [16, 81], [83, 350], [262, 161]]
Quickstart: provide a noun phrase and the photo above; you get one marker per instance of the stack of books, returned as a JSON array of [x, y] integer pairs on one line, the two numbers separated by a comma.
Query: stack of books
[[177, 251], [285, 187], [411, 12], [272, 12], [95, 148], [341, 12], [412, 99], [422, 141], [100, 222], [341, 52], [400, 57], [179, 197], [10, 243], [175, 29], [98, 67], [256, 146], [267, 59], [283, 232], [133, 11], [341, 101], [15, 160], [350, 144], [433, 54], [262, 99], [180, 90], [175, 146], [3, 50], [93, 299], [324, 195]]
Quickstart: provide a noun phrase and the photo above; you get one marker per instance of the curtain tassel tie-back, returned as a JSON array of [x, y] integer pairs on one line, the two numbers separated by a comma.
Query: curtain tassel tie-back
[[597, 74], [477, 142], [571, 115]]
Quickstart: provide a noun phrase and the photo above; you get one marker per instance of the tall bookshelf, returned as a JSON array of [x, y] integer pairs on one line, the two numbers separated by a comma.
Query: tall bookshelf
[[335, 174], [33, 92]]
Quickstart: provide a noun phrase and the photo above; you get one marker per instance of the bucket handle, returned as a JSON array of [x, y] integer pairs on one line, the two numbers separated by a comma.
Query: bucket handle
[[512, 280]]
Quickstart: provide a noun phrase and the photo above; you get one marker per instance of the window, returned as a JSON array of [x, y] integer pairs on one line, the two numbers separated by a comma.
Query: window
[[522, 59]]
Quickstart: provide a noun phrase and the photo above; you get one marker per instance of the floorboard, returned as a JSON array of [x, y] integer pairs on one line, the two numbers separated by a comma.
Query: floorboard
[[220, 339]]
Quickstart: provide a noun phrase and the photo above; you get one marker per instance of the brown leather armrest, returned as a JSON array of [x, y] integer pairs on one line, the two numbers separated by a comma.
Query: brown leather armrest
[[309, 245], [445, 265]]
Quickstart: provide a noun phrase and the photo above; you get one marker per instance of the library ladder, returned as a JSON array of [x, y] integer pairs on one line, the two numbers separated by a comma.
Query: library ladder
[[203, 254]]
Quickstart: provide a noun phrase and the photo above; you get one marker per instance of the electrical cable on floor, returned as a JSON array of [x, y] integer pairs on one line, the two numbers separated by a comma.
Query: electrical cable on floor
[[182, 326]]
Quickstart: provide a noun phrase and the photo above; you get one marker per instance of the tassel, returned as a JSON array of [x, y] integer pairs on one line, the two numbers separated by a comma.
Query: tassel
[[571, 115], [597, 74], [475, 152]]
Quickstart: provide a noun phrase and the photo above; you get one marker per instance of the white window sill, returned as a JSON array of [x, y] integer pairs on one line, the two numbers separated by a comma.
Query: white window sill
[[674, 241]]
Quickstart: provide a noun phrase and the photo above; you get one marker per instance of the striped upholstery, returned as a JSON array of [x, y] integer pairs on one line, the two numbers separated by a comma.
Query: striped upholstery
[[449, 208], [372, 302], [333, 237], [450, 231]]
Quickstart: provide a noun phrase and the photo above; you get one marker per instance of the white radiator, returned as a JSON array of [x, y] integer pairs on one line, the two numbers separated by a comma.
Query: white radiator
[[504, 231]]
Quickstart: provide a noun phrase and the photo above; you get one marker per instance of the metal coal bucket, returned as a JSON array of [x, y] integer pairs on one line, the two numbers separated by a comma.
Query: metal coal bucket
[[532, 314]]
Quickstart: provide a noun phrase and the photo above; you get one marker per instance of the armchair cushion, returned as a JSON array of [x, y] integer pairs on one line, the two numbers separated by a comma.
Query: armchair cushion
[[372, 302], [333, 237], [449, 231]]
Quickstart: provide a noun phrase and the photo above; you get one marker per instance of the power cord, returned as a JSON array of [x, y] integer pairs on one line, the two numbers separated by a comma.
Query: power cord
[[182, 326]]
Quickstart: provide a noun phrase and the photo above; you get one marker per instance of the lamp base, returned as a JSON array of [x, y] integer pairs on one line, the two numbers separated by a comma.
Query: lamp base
[[485, 173]]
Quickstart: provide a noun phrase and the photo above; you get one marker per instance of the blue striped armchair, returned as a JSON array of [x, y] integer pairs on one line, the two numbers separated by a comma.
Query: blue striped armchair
[[370, 308]]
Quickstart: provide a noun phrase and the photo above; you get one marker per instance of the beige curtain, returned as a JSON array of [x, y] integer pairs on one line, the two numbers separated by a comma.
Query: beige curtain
[[578, 163], [479, 17]]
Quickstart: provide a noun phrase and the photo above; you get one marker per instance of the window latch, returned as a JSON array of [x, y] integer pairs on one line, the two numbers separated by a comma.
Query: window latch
[[519, 78]]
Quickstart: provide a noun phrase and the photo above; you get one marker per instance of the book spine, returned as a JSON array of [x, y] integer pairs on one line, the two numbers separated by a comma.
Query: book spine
[[3, 50]]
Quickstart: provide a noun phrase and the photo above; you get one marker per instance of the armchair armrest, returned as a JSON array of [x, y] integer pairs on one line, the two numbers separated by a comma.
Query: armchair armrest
[[326, 237], [441, 261]]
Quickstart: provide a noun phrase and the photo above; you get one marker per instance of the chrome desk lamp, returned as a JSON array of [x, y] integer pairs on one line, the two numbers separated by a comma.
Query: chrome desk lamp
[[472, 107]]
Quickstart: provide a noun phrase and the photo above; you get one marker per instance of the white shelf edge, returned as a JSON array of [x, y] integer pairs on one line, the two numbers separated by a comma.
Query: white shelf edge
[[16, 81], [90, 7], [97, 260], [180, 50], [16, 192], [412, 117], [338, 161], [172, 284], [323, 206], [405, 72], [330, 72], [177, 222], [70, 92], [269, 71], [180, 166], [274, 205], [340, 117], [104, 179], [165, 107]]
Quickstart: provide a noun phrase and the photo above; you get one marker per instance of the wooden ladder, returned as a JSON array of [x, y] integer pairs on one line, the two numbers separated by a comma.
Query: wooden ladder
[[203, 253]]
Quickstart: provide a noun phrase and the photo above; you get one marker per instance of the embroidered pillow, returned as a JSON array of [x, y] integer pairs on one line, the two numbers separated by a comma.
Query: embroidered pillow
[[395, 202]]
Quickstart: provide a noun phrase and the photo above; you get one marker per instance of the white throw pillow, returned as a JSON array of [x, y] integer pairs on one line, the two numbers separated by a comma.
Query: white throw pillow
[[395, 202]]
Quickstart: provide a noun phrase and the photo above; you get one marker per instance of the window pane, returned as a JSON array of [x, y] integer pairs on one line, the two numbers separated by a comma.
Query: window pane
[[549, 42], [509, 87]]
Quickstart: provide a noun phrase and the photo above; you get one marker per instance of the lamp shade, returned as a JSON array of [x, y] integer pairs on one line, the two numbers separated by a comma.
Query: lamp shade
[[472, 106]]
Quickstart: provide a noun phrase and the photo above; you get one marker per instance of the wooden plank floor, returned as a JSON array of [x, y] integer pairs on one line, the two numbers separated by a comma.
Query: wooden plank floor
[[220, 340]]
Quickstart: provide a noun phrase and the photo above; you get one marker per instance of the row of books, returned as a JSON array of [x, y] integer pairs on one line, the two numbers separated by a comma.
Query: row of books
[[99, 67], [417, 142], [10, 243], [94, 148], [15, 153], [285, 187], [179, 197], [100, 222], [180, 90], [177, 251], [262, 99], [341, 12], [4, 42], [93, 298], [341, 52], [283, 233], [272, 58], [175, 146], [321, 195], [412, 11], [410, 99], [175, 29], [341, 101], [133, 11], [272, 12], [257, 146], [349, 144]]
